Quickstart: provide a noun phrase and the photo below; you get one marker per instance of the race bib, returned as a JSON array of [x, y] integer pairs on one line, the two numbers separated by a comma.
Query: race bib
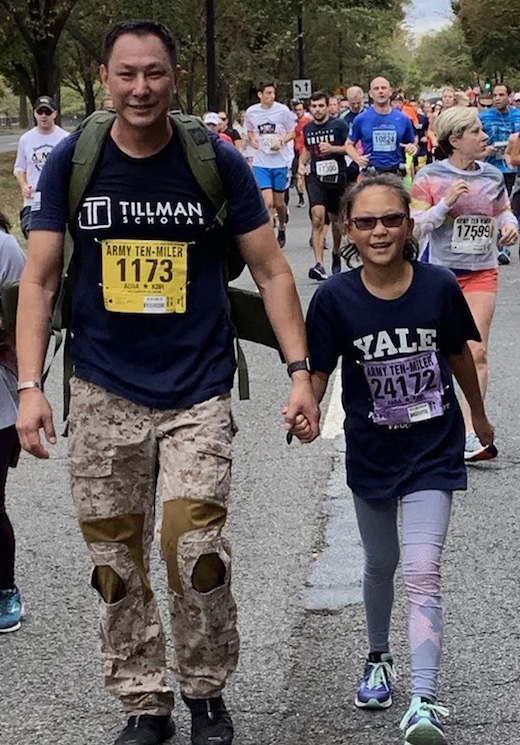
[[144, 276], [500, 150], [472, 234], [405, 390], [326, 168], [265, 143], [384, 140]]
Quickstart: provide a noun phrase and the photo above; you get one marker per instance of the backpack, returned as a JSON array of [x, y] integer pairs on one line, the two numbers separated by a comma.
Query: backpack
[[246, 308]]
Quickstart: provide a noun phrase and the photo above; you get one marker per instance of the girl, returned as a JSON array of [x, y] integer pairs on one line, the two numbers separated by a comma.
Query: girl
[[401, 328], [12, 260], [458, 205]]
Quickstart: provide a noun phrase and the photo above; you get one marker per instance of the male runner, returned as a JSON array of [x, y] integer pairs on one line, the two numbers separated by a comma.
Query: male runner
[[324, 147], [152, 346], [383, 132], [270, 126], [302, 118]]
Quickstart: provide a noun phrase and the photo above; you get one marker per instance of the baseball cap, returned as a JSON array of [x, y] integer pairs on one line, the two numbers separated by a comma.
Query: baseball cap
[[211, 118], [45, 102], [517, 96]]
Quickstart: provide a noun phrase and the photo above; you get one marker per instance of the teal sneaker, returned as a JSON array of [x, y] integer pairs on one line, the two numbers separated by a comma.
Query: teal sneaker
[[421, 723], [375, 687], [11, 610]]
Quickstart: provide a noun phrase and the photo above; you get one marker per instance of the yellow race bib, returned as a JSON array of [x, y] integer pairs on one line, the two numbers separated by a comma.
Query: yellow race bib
[[144, 276]]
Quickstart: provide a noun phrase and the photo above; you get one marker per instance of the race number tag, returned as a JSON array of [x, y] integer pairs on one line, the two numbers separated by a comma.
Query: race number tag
[[326, 168], [405, 390], [384, 140], [144, 276], [500, 150], [472, 234], [266, 142]]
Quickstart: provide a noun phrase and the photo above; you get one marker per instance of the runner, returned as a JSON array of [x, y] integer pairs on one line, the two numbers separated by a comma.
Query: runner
[[231, 132], [247, 150], [384, 133], [302, 118], [324, 147], [356, 104], [458, 205], [12, 260], [499, 123], [270, 125], [401, 328], [334, 107], [448, 97]]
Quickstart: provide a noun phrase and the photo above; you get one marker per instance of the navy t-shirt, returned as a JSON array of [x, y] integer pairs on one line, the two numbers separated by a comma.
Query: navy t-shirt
[[155, 358], [334, 131], [381, 136], [388, 346]]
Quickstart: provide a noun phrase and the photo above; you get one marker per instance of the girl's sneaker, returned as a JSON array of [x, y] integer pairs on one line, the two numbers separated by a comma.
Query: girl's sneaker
[[375, 687], [11, 610], [421, 723]]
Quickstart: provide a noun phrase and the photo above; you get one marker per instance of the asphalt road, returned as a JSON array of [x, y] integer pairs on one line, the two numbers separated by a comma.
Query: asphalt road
[[297, 571], [8, 142]]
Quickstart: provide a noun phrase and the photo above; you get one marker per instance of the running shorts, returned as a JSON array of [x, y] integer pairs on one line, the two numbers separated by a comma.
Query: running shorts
[[482, 280], [271, 178], [327, 195]]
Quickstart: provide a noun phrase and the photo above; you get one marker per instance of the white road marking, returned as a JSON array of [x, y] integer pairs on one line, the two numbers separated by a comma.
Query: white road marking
[[333, 423]]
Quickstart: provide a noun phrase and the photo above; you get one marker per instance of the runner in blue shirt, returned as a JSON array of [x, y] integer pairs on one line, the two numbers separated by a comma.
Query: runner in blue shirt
[[385, 134]]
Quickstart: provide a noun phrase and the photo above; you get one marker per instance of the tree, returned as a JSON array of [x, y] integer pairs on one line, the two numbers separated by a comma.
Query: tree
[[443, 58]]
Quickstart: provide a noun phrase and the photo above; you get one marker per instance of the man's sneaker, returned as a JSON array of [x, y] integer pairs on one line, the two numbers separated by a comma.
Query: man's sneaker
[[317, 272], [336, 263], [504, 257], [475, 451], [146, 730], [375, 687], [281, 237], [11, 610], [210, 721], [421, 723]]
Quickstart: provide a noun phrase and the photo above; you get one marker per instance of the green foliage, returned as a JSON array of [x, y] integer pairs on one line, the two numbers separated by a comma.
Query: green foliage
[[443, 58]]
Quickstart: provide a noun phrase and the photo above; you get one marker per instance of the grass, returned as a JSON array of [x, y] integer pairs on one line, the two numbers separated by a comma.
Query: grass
[[11, 201]]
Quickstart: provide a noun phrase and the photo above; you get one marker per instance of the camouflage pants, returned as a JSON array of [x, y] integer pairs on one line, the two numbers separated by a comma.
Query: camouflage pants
[[121, 454]]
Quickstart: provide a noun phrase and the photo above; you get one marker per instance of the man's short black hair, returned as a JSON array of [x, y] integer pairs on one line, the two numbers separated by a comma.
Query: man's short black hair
[[262, 86], [318, 95], [139, 27]]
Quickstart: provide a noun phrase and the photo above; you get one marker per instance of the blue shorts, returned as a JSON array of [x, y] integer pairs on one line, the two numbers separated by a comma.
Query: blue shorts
[[271, 178]]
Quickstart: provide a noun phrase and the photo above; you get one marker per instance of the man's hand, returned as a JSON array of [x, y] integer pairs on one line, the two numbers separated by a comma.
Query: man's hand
[[410, 148], [302, 413], [362, 161], [26, 191], [34, 414], [325, 147], [509, 234]]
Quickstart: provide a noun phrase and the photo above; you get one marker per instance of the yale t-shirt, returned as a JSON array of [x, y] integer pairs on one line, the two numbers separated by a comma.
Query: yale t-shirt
[[149, 316], [381, 136], [395, 367]]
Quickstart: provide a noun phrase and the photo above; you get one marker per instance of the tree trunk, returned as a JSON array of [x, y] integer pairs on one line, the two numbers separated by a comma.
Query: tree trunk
[[22, 112]]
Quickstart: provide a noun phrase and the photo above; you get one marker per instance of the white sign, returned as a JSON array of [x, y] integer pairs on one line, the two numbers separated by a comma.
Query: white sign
[[301, 88]]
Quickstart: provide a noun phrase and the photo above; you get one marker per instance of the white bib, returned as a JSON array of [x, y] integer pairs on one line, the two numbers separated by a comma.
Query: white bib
[[472, 234], [384, 140], [327, 168]]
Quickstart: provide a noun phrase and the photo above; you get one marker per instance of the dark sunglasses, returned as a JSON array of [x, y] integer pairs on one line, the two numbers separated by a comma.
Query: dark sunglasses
[[486, 105], [368, 222], [44, 111]]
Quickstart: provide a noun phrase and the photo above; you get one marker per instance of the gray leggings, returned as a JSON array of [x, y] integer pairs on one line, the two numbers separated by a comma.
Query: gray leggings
[[425, 516]]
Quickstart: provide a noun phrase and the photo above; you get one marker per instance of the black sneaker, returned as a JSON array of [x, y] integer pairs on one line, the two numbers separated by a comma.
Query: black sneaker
[[146, 730], [210, 721], [318, 273], [336, 263], [281, 237]]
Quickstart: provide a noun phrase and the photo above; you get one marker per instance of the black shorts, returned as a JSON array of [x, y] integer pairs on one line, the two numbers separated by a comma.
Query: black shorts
[[325, 194]]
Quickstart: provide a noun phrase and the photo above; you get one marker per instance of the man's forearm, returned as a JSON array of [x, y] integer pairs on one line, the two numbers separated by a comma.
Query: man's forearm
[[35, 306], [286, 317]]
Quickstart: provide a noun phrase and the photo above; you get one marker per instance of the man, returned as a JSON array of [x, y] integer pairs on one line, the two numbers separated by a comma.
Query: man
[[270, 126], [302, 118], [343, 106], [485, 101], [383, 132], [333, 107], [516, 100], [324, 148], [153, 367], [33, 148], [499, 123], [356, 104]]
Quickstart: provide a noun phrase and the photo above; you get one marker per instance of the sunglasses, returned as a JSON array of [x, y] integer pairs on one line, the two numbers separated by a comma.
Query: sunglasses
[[368, 222], [486, 105], [44, 111]]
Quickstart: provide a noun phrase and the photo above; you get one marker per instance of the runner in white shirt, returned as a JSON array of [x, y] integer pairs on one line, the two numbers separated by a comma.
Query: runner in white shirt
[[33, 148], [270, 126]]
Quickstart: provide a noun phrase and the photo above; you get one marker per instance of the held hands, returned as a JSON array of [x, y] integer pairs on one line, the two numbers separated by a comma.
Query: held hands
[[302, 413], [34, 414], [458, 187]]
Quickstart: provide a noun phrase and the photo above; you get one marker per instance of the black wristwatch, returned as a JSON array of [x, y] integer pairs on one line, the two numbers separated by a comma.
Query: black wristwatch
[[299, 365]]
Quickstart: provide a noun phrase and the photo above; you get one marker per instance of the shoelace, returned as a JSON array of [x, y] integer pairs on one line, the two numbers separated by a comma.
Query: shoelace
[[381, 673], [430, 711]]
